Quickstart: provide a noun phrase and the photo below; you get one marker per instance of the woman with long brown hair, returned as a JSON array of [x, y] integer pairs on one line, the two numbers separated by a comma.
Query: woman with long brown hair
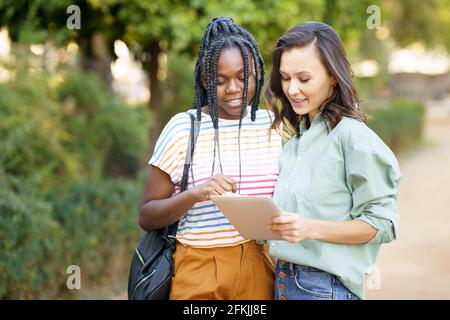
[[338, 183]]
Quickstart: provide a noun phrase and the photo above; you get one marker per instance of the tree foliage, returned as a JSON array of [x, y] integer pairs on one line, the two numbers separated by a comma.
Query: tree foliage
[[70, 155]]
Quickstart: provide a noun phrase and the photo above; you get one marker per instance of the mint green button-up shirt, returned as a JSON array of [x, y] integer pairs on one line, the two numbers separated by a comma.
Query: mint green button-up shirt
[[345, 174]]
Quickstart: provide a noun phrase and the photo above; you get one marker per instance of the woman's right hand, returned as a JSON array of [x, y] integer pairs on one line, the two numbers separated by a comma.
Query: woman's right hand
[[215, 186]]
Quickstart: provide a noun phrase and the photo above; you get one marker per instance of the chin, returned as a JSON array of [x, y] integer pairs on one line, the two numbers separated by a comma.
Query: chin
[[233, 112], [300, 112]]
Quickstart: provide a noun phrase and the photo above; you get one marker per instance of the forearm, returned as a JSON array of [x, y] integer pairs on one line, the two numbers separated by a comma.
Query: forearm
[[159, 213], [349, 232]]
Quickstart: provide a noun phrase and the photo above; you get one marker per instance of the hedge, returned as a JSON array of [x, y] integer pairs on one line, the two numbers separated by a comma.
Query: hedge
[[70, 183], [399, 123]]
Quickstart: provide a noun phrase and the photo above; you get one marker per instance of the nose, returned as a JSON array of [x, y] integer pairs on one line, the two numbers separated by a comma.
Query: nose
[[293, 89], [233, 87]]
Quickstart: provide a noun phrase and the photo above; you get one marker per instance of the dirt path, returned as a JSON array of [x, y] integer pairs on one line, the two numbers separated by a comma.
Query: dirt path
[[417, 265]]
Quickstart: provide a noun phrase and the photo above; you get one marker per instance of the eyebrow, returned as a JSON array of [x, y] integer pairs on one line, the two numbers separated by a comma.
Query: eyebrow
[[300, 72]]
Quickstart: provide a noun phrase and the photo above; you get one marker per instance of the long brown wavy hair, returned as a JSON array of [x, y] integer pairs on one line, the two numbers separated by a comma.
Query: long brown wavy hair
[[342, 102]]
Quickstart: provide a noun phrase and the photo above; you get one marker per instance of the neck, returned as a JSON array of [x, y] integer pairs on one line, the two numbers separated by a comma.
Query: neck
[[312, 114]]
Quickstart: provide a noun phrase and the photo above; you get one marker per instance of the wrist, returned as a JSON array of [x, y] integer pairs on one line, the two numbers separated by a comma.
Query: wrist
[[193, 194], [315, 230]]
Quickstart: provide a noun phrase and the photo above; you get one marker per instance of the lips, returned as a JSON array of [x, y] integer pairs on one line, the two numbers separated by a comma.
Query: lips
[[234, 102], [298, 101]]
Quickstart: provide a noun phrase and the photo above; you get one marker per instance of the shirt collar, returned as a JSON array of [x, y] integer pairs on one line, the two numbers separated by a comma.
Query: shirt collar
[[318, 118]]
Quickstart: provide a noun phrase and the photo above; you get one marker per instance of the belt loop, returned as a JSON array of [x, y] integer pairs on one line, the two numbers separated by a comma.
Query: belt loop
[[291, 269]]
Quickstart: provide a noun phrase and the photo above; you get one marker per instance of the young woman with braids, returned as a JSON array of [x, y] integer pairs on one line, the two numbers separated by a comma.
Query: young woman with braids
[[234, 153], [338, 181]]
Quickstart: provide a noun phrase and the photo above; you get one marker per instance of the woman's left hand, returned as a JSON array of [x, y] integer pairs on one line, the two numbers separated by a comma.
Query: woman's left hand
[[291, 227]]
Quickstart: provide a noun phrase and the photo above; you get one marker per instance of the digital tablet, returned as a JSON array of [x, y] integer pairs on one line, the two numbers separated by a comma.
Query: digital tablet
[[250, 215]]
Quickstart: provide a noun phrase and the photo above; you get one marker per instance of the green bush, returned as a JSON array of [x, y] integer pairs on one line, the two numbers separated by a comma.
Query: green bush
[[399, 124], [70, 158], [107, 137], [31, 242], [90, 225], [61, 132], [100, 223], [32, 136]]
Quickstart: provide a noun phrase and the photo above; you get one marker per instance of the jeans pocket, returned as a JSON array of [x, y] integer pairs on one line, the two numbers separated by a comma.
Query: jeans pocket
[[314, 283]]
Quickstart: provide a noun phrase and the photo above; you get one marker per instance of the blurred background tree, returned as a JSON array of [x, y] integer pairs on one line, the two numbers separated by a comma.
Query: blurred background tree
[[153, 29]]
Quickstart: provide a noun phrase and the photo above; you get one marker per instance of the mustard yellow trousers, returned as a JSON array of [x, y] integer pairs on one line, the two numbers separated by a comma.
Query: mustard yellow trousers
[[240, 272]]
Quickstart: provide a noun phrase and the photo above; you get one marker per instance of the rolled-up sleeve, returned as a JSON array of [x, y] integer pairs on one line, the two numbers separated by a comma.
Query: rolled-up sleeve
[[373, 177]]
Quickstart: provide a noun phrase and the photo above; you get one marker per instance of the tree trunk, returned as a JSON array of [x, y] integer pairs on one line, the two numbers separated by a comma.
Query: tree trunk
[[96, 57], [151, 67]]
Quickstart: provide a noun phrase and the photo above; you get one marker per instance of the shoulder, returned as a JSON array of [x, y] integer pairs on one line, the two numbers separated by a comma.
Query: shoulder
[[178, 124], [175, 131], [347, 125], [264, 116], [263, 120], [358, 138], [355, 132], [180, 119]]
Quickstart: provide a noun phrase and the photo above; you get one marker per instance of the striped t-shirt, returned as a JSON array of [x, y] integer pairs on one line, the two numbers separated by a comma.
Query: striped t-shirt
[[204, 225]]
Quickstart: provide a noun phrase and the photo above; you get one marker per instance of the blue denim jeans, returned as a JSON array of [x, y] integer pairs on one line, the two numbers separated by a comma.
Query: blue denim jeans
[[296, 282]]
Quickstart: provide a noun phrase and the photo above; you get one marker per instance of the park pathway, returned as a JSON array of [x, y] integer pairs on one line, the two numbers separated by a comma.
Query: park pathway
[[417, 264]]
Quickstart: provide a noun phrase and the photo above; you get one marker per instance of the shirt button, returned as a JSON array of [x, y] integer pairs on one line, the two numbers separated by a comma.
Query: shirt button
[[283, 298], [282, 274], [282, 286]]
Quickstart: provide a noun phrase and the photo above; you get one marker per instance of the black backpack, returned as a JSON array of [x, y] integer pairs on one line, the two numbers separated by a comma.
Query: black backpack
[[152, 266]]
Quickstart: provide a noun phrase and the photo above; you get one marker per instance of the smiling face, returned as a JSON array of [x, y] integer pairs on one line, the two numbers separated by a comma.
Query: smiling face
[[230, 83], [304, 79]]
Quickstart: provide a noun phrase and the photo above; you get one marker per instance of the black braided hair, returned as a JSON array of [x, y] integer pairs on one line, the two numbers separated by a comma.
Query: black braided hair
[[223, 33]]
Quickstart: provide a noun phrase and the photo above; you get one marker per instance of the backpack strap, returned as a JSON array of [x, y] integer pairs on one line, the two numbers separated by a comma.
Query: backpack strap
[[195, 126]]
